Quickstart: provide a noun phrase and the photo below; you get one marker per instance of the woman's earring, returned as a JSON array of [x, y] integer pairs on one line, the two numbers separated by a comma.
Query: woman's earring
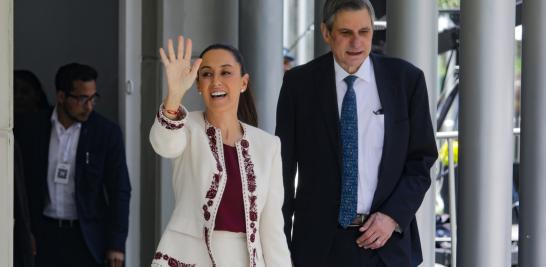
[[242, 90], [199, 92]]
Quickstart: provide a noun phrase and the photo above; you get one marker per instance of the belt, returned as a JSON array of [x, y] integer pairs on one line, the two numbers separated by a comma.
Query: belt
[[62, 223], [359, 220]]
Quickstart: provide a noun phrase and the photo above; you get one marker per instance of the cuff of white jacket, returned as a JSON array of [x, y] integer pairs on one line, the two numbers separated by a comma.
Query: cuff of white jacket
[[172, 124]]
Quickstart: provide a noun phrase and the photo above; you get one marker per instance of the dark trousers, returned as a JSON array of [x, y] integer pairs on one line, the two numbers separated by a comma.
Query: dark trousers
[[345, 252], [22, 246], [62, 246]]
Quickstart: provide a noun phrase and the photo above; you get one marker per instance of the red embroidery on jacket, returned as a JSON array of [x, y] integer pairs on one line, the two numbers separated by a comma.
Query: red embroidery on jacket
[[168, 124], [252, 199], [172, 262], [251, 183], [213, 190], [207, 242]]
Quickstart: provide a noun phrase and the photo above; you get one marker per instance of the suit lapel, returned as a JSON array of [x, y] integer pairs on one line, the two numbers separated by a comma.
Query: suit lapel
[[82, 156], [385, 89], [326, 85]]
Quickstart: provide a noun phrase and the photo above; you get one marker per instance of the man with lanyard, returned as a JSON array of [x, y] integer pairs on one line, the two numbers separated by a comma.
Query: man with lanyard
[[77, 176]]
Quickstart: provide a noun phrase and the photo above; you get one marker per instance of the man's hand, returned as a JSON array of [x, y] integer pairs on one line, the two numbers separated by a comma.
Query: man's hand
[[115, 258], [376, 231]]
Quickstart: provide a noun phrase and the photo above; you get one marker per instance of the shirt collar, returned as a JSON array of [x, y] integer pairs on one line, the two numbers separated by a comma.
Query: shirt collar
[[364, 71], [59, 128]]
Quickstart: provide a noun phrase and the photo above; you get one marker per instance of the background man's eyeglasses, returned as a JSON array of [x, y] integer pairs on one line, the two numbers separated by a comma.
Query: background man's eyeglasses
[[84, 99]]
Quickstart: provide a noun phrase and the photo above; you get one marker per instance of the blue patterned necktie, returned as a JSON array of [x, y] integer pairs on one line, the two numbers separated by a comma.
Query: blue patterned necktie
[[349, 142]]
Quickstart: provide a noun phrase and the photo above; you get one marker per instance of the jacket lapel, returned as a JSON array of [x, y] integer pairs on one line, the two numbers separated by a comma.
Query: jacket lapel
[[82, 156], [326, 85]]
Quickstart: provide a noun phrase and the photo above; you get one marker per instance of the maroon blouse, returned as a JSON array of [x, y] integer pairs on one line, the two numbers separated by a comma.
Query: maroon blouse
[[231, 213]]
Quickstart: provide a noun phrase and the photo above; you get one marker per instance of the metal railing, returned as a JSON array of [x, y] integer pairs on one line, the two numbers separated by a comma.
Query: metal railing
[[450, 137]]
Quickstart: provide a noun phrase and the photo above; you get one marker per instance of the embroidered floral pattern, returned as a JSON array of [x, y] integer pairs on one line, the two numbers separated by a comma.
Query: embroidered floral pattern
[[252, 200], [213, 190], [254, 257], [207, 242], [251, 185], [214, 187], [172, 262], [168, 123]]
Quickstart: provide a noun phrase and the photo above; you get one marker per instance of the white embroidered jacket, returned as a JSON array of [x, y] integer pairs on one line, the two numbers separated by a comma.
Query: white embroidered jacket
[[199, 179]]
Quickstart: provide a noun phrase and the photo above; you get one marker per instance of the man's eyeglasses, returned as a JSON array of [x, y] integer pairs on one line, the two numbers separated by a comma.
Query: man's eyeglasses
[[84, 99]]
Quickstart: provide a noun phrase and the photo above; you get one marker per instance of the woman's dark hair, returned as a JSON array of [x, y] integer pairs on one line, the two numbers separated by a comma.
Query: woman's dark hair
[[28, 92], [246, 111]]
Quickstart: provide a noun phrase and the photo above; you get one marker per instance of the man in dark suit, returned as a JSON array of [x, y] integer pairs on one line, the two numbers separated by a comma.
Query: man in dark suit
[[77, 179], [357, 129]]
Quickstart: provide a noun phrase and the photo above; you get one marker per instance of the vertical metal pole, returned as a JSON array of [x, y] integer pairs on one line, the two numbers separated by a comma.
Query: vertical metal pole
[[305, 41], [6, 133], [260, 42], [532, 227], [452, 206], [320, 46], [288, 29], [412, 34], [486, 137]]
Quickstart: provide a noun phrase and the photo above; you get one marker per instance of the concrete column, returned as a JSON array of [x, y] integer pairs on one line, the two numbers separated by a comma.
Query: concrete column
[[485, 133], [129, 110], [151, 97], [532, 227], [289, 26], [299, 29], [6, 133], [412, 34], [320, 46], [304, 51], [260, 42]]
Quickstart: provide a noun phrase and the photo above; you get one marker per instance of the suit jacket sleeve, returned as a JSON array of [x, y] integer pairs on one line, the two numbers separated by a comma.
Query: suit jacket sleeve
[[275, 249], [421, 155], [286, 130], [118, 189]]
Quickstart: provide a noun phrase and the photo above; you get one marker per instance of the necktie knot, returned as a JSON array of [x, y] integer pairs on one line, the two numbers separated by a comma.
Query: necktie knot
[[350, 80]]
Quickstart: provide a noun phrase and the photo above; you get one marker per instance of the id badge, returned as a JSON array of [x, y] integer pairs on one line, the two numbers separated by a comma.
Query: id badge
[[62, 173]]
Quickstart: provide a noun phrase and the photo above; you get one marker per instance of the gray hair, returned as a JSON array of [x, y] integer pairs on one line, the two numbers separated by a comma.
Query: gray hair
[[332, 7]]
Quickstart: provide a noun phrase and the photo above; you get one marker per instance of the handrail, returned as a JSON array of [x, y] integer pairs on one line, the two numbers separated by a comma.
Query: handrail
[[450, 136], [455, 134]]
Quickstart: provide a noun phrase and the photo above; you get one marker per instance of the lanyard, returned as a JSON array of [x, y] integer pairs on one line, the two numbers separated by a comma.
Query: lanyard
[[68, 145]]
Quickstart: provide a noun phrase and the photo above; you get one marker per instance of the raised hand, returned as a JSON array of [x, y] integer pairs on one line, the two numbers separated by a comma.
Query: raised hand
[[180, 72]]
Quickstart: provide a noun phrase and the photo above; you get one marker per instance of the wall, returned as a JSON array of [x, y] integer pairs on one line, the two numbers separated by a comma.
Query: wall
[[49, 34], [6, 134]]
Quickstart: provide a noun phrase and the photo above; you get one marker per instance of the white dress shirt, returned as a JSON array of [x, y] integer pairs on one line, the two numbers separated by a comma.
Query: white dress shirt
[[371, 128], [63, 145]]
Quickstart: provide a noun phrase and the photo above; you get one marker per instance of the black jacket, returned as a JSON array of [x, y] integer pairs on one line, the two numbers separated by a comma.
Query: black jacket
[[102, 181]]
